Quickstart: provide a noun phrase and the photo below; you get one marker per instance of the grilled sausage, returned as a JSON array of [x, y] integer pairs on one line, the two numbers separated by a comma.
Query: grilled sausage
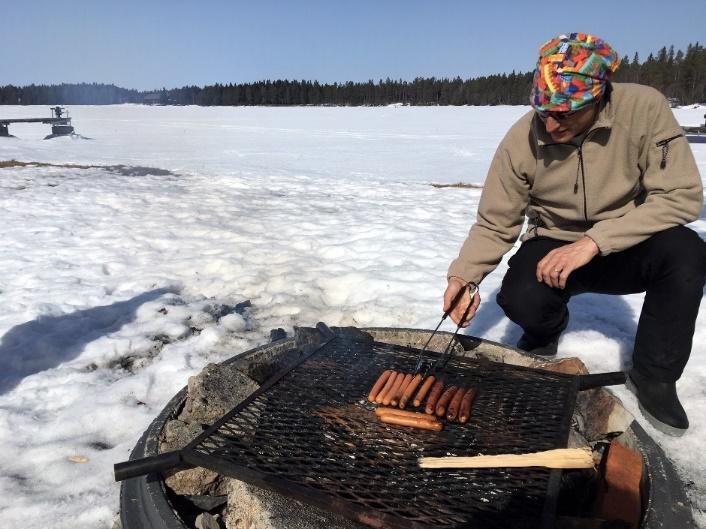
[[404, 413], [434, 395], [454, 405], [388, 385], [409, 390], [424, 390], [423, 424], [393, 390], [444, 401], [466, 404], [379, 384], [398, 394]]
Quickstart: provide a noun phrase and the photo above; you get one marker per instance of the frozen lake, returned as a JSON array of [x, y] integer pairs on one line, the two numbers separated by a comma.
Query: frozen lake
[[114, 286]]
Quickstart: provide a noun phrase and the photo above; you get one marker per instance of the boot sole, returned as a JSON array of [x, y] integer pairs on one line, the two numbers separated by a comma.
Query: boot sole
[[654, 421]]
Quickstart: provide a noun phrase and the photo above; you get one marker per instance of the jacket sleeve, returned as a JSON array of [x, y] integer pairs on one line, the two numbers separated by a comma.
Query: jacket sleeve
[[501, 212], [671, 184]]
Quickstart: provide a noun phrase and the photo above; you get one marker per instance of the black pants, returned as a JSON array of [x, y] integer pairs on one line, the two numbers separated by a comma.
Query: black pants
[[670, 267]]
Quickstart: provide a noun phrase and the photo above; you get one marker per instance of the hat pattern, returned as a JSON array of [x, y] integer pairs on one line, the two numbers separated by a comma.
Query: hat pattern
[[572, 71]]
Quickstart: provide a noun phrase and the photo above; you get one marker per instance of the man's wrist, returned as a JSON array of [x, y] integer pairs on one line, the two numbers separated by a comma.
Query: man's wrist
[[471, 284], [592, 244]]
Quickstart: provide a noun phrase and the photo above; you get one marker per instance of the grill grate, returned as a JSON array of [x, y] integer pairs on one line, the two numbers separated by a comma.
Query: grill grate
[[313, 436]]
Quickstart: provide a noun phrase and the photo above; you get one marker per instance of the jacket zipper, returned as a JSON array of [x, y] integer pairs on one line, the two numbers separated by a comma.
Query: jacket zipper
[[583, 181], [581, 169], [665, 149]]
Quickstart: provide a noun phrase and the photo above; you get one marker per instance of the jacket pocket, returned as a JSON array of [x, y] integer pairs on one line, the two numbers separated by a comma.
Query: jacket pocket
[[664, 145]]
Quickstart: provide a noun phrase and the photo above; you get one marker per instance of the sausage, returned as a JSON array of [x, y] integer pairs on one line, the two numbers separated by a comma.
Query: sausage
[[407, 394], [404, 413], [395, 387], [388, 385], [398, 394], [444, 401], [423, 424], [454, 405], [379, 384], [423, 391], [434, 395], [466, 404]]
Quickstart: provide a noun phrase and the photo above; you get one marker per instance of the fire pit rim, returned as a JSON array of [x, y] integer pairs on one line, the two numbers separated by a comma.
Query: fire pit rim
[[144, 501]]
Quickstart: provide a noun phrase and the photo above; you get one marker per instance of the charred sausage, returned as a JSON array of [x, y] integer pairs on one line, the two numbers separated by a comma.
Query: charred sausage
[[465, 413], [379, 384], [454, 405], [444, 401], [434, 395]]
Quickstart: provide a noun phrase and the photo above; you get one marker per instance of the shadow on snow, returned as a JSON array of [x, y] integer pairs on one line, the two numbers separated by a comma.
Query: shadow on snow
[[615, 315], [48, 341]]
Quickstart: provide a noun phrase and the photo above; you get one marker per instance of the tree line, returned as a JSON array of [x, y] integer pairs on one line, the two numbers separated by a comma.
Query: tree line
[[679, 75]]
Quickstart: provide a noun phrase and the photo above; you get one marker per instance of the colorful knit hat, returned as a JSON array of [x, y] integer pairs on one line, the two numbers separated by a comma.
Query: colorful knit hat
[[572, 71]]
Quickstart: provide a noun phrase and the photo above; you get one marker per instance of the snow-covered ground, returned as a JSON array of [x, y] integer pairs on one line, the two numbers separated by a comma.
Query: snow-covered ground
[[115, 289]]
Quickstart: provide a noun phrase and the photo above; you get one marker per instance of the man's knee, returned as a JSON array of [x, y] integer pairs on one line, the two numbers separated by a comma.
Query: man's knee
[[680, 251], [530, 304]]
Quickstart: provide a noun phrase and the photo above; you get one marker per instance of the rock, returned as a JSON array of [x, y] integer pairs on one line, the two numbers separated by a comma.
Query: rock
[[278, 334], [177, 434], [250, 507], [568, 366], [206, 521], [601, 413], [211, 394], [214, 392], [207, 503], [196, 482]]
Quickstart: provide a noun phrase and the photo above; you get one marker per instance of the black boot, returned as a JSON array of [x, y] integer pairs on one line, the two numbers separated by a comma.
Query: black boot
[[659, 403], [538, 347]]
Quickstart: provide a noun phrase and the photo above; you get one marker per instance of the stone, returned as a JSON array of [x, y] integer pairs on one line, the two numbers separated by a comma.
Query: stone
[[207, 503], [214, 392], [278, 334], [568, 366], [206, 521], [250, 507], [196, 482], [177, 434]]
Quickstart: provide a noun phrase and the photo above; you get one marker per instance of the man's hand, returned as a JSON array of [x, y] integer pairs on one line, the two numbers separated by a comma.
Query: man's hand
[[455, 284], [555, 267]]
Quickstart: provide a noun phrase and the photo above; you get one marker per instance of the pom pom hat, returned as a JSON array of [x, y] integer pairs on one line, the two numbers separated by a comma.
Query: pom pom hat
[[572, 72]]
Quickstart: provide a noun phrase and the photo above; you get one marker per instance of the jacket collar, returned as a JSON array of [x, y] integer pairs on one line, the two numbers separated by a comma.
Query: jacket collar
[[606, 115]]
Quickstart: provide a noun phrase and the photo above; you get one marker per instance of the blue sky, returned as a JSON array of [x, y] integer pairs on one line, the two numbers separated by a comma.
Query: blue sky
[[154, 44]]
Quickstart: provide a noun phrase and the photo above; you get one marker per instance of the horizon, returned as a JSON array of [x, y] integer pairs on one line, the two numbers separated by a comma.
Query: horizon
[[176, 44]]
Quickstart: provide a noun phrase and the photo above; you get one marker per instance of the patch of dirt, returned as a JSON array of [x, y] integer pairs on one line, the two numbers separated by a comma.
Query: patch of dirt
[[124, 170], [458, 184]]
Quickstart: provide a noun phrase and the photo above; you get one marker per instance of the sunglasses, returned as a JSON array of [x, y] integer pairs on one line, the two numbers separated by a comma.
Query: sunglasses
[[560, 116]]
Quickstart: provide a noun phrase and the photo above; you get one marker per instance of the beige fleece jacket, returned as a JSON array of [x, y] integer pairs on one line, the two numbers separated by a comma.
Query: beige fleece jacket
[[634, 175]]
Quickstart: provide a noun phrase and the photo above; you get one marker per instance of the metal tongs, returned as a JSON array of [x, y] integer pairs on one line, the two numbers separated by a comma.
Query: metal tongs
[[393, 387], [432, 368]]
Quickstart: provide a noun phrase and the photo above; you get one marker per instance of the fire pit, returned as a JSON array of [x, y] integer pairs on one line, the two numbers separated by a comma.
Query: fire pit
[[307, 433]]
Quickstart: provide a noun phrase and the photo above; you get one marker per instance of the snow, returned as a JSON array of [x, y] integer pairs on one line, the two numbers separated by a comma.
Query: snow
[[115, 289]]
